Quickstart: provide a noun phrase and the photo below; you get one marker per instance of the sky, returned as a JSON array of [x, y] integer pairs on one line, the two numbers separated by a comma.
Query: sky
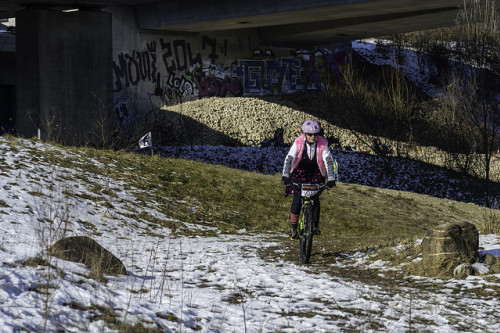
[[212, 284]]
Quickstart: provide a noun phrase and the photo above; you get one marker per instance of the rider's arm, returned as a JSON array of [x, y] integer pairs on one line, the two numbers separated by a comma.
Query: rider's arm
[[289, 159], [328, 160]]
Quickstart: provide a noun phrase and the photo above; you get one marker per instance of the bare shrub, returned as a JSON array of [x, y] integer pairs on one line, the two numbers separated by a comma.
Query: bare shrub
[[374, 106], [478, 37], [466, 119], [103, 131], [491, 224]]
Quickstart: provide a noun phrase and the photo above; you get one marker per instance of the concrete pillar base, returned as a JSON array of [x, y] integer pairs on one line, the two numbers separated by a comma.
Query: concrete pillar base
[[64, 75]]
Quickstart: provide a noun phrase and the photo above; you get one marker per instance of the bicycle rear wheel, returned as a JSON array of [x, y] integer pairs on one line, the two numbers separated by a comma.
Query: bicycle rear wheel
[[306, 236]]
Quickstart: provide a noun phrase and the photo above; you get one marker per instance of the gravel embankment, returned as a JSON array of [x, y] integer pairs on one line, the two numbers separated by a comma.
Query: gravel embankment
[[247, 121]]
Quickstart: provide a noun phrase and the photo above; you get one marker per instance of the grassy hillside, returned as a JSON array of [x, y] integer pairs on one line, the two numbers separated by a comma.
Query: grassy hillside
[[154, 214], [353, 217]]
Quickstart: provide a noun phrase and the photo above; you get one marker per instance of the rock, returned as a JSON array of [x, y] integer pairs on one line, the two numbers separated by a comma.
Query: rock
[[463, 270], [489, 260], [85, 250], [449, 245], [495, 269], [492, 262]]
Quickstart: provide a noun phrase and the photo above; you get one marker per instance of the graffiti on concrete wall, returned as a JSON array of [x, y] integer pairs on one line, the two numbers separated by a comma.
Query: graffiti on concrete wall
[[269, 76], [121, 112], [178, 56], [139, 66], [180, 85], [172, 71], [209, 86]]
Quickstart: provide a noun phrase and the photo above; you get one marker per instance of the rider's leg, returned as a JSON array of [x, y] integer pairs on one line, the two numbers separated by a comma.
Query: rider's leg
[[294, 215], [293, 227], [317, 208]]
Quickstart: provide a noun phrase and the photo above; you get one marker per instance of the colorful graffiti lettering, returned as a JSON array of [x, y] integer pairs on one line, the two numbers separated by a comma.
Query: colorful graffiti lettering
[[212, 86], [269, 75], [181, 85], [183, 74]]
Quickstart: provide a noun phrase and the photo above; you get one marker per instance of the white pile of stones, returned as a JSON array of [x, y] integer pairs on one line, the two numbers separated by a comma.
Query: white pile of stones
[[250, 121]]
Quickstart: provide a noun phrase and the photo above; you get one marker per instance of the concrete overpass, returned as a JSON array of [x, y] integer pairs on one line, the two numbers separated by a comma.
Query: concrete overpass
[[65, 60], [296, 22]]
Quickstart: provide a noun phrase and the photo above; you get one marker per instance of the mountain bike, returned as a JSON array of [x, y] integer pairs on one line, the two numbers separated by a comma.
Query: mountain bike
[[305, 227]]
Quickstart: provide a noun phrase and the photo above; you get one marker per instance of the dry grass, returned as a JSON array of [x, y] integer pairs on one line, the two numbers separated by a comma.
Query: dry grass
[[353, 216]]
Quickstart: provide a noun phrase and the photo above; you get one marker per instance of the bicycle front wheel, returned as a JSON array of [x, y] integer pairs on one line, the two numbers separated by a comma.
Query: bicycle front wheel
[[306, 236]]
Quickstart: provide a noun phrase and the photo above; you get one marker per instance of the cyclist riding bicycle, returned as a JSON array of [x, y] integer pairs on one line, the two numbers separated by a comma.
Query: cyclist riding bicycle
[[308, 161]]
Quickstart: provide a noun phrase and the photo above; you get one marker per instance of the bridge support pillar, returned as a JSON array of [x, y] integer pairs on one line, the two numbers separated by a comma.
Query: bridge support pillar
[[64, 75]]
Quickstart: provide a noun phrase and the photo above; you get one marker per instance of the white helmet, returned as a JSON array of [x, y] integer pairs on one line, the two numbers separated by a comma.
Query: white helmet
[[310, 127]]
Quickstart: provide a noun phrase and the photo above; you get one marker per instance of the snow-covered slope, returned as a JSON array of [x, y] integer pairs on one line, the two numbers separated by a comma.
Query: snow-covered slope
[[207, 284]]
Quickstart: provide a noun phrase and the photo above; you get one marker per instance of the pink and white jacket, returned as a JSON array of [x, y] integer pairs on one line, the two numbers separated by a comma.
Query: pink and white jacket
[[323, 156]]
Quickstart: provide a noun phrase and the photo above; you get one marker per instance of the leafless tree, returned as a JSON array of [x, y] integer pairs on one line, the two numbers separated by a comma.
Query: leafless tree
[[478, 44]]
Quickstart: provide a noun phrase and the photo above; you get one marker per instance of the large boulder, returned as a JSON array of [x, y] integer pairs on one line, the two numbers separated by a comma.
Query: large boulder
[[448, 245], [85, 250]]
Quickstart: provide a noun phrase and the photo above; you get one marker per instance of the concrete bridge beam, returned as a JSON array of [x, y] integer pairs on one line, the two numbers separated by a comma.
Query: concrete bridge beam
[[299, 22]]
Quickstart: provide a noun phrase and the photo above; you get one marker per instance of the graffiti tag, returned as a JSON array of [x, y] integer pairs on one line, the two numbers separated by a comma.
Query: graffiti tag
[[212, 86]]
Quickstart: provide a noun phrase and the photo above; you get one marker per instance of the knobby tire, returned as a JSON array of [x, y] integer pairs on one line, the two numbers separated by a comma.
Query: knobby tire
[[306, 236]]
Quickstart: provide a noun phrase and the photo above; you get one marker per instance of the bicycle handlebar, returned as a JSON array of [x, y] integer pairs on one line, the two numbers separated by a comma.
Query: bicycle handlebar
[[317, 186]]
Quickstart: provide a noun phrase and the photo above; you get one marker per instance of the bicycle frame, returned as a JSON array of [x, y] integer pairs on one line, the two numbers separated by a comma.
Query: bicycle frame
[[306, 201], [309, 192]]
